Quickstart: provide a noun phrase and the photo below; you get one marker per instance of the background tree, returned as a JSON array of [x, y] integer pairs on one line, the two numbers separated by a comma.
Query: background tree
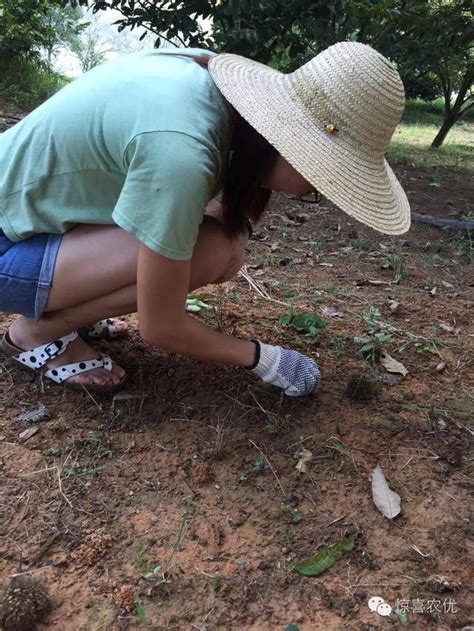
[[430, 40], [64, 24]]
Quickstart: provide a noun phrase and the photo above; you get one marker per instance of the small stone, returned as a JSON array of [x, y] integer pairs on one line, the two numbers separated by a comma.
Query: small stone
[[28, 433], [441, 366]]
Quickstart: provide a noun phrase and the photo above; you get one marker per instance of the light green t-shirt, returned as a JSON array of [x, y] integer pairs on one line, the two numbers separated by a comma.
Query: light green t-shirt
[[141, 141]]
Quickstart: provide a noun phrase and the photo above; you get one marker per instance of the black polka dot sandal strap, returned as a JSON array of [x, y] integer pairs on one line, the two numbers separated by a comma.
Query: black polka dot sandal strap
[[37, 357], [59, 375], [101, 327]]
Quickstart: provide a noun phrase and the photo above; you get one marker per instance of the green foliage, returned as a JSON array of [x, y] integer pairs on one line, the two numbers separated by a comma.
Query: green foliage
[[321, 561], [140, 610], [24, 28], [292, 511], [29, 82], [31, 32], [370, 345], [429, 40], [309, 323]]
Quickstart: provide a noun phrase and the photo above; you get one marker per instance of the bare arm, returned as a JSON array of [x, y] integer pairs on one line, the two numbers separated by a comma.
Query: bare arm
[[162, 287]]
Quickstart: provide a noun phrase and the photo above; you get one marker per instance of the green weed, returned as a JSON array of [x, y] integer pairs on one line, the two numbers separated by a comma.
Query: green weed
[[338, 344], [395, 263], [309, 323]]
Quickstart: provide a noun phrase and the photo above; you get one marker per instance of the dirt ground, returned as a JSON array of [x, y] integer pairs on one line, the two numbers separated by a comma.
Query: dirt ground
[[177, 503]]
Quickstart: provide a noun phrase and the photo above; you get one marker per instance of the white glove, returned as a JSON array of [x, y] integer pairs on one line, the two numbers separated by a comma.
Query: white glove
[[295, 373]]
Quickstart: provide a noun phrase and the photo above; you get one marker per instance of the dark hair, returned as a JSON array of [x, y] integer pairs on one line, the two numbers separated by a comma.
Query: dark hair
[[251, 156]]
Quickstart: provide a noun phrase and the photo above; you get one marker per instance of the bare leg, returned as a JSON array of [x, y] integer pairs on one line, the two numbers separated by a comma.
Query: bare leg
[[94, 258]]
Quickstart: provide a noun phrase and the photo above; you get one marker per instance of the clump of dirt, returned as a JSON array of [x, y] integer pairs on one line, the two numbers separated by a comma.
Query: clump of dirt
[[124, 598], [24, 602], [93, 549], [362, 388], [203, 473]]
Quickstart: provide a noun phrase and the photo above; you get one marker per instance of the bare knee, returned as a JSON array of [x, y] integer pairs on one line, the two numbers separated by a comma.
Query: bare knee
[[217, 257], [234, 258]]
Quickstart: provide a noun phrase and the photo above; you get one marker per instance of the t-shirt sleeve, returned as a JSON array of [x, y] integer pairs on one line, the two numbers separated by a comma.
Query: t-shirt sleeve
[[170, 178]]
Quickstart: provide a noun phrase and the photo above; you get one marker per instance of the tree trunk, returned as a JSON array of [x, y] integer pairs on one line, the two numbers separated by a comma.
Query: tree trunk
[[443, 132], [455, 112]]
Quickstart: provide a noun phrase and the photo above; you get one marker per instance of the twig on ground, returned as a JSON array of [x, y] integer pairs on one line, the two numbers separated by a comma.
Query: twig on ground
[[259, 289], [271, 467], [181, 533]]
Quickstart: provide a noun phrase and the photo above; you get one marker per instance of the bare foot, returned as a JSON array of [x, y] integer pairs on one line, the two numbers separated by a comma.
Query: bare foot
[[23, 335]]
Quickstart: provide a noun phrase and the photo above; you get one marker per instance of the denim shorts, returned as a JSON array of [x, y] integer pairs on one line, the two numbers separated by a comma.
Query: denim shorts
[[26, 272]]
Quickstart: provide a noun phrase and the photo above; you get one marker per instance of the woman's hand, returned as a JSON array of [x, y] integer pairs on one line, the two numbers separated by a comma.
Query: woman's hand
[[295, 373]]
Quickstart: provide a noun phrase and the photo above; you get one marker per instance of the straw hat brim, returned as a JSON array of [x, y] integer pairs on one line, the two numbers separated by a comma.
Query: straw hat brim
[[360, 182]]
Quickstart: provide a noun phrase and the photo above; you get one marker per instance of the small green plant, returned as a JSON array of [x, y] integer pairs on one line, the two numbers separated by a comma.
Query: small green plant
[[217, 582], [360, 244], [337, 343], [90, 449], [196, 303], [463, 243], [140, 610], [395, 263], [309, 323], [139, 560], [370, 345], [157, 577], [295, 514]]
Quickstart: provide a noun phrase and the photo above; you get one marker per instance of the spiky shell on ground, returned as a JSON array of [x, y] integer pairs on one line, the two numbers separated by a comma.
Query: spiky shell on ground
[[24, 602], [362, 388]]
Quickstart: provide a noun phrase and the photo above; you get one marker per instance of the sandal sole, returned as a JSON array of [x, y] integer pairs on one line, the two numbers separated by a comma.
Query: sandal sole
[[9, 351]]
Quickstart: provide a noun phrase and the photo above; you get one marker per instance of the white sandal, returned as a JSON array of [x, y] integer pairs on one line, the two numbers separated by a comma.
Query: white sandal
[[103, 329], [36, 358]]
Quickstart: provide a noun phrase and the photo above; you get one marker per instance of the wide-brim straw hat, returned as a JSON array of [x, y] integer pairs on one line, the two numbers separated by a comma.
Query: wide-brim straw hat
[[332, 120]]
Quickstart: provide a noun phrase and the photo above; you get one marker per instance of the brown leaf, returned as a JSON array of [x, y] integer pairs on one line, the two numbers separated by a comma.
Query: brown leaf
[[392, 365]]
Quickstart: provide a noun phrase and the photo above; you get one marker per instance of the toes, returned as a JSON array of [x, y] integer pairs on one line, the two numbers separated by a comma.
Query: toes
[[117, 371]]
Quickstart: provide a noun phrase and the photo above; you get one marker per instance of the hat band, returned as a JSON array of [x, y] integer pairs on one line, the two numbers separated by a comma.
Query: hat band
[[312, 97]]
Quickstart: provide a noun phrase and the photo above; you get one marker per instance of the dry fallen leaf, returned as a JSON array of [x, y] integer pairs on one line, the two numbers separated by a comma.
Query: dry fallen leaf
[[304, 456], [446, 327], [34, 416], [332, 312], [386, 500], [393, 305], [392, 365]]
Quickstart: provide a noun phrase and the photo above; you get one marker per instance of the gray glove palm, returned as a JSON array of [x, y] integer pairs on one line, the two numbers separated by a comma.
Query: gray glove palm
[[297, 374]]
